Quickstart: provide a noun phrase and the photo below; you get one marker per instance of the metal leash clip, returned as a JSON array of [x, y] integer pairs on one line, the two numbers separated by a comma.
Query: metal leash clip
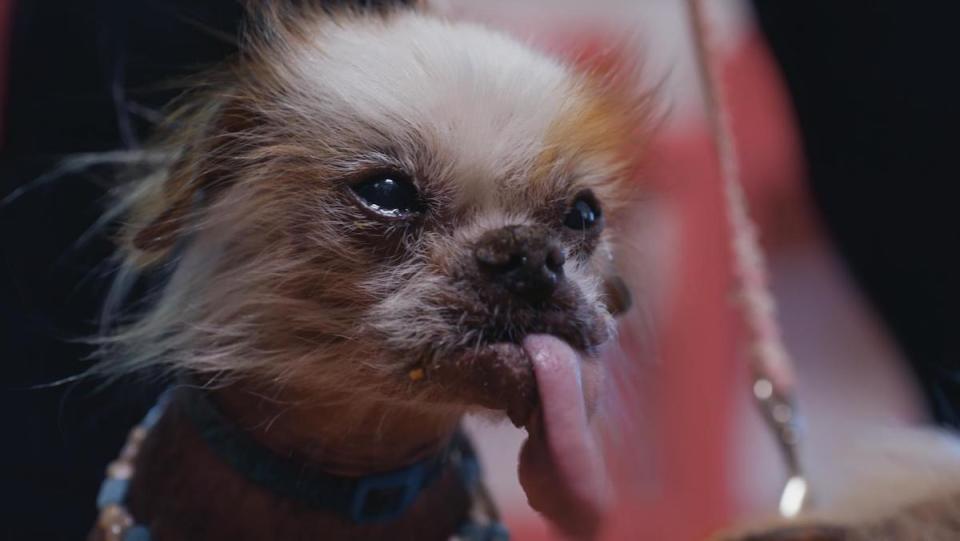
[[773, 382]]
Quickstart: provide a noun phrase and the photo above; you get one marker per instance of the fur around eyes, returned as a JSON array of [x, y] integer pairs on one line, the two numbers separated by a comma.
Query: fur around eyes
[[326, 191]]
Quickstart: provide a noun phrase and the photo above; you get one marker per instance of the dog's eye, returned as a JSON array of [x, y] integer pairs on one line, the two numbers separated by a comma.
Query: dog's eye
[[390, 194], [584, 213]]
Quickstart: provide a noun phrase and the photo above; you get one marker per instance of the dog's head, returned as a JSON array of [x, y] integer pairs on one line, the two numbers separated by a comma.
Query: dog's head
[[385, 204]]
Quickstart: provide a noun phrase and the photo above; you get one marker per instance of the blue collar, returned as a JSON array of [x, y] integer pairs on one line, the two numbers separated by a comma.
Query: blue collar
[[362, 500]]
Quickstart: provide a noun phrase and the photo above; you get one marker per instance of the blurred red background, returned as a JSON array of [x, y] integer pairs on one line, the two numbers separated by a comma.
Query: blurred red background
[[691, 457]]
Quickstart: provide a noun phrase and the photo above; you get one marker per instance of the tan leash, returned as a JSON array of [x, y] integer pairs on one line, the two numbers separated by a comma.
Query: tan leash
[[770, 363]]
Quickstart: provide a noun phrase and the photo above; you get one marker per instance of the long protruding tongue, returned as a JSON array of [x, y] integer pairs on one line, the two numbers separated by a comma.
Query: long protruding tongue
[[561, 464]]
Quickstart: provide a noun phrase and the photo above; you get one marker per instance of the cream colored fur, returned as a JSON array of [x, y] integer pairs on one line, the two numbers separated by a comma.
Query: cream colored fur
[[275, 274]]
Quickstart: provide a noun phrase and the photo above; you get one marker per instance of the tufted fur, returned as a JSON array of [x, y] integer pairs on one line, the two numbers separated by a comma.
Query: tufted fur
[[277, 275]]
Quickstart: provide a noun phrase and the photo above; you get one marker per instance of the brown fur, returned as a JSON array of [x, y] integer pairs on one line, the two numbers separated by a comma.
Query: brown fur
[[287, 293], [301, 263], [184, 491]]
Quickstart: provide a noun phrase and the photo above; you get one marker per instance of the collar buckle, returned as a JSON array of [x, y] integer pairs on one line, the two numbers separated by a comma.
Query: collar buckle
[[379, 498]]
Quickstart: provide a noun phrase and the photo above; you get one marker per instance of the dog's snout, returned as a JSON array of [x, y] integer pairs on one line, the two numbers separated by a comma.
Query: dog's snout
[[524, 259]]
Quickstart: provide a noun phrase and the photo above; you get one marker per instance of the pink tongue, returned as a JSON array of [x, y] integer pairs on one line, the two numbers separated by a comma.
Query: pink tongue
[[564, 415]]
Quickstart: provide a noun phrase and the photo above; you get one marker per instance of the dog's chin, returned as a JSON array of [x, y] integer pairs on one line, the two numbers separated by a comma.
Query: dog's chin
[[499, 375]]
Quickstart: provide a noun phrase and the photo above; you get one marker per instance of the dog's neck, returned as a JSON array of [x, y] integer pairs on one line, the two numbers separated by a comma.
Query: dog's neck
[[337, 435], [183, 490]]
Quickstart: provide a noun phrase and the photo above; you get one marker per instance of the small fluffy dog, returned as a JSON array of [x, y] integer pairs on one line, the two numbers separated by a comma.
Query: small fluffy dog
[[363, 219]]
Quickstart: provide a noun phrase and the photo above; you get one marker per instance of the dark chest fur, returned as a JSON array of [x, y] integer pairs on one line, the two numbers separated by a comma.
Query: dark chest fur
[[183, 491]]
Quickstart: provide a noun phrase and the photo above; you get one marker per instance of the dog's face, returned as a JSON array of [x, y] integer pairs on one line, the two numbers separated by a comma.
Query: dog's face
[[388, 200]]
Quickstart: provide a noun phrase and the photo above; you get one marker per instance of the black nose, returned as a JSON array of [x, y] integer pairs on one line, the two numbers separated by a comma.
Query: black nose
[[524, 259]]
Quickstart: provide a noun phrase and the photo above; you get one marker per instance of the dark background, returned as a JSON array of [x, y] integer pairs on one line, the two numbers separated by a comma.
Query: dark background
[[877, 102], [84, 76], [877, 96]]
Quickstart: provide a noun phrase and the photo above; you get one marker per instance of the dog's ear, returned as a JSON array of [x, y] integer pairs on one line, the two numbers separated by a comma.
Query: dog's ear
[[617, 295], [210, 127], [203, 139]]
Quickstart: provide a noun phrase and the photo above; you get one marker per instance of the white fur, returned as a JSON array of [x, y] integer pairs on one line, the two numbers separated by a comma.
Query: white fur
[[271, 278], [481, 102]]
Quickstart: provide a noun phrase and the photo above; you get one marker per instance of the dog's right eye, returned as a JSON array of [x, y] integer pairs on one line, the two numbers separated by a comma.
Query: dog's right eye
[[389, 194]]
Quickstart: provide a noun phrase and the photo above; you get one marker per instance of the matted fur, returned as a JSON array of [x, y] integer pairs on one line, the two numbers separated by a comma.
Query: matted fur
[[276, 274]]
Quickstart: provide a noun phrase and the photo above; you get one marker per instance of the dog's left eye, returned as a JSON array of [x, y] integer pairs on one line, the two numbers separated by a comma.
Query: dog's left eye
[[584, 213], [390, 194]]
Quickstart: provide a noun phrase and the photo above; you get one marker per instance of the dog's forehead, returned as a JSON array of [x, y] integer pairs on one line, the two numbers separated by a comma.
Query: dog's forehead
[[478, 104]]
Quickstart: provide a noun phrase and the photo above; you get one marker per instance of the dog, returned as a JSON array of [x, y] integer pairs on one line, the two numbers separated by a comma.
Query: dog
[[362, 223]]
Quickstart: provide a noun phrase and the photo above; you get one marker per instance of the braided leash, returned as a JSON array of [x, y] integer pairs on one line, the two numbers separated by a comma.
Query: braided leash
[[770, 363]]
